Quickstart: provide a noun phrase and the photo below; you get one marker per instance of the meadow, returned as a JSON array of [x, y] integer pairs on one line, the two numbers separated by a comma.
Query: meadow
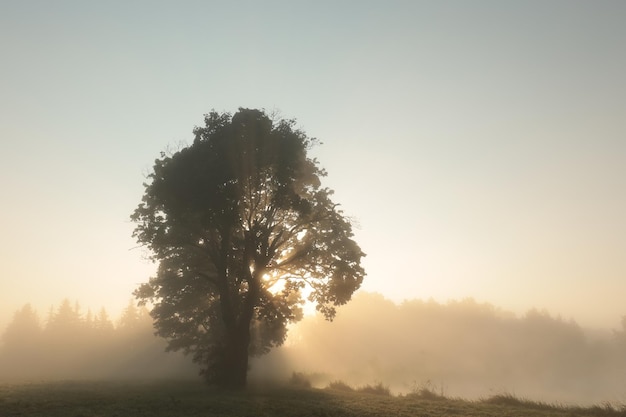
[[190, 398]]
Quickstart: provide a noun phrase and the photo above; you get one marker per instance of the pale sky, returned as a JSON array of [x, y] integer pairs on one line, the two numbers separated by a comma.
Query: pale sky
[[479, 145]]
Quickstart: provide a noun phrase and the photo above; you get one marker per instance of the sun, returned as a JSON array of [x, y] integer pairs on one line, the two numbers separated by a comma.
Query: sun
[[276, 283]]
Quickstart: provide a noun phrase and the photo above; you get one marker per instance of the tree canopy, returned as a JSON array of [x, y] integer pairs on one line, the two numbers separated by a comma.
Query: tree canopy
[[242, 231]]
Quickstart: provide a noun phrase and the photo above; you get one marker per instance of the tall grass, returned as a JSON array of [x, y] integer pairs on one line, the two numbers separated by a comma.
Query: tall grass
[[175, 398]]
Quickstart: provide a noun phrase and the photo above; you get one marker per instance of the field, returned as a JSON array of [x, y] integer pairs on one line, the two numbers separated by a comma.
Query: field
[[172, 398]]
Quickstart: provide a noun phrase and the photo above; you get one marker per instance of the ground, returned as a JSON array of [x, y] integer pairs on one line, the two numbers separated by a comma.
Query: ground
[[189, 399]]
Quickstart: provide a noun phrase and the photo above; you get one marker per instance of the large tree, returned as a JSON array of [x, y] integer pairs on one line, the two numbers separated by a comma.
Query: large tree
[[242, 231]]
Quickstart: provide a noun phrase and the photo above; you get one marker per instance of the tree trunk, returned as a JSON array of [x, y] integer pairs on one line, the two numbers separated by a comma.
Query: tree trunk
[[233, 371], [235, 366]]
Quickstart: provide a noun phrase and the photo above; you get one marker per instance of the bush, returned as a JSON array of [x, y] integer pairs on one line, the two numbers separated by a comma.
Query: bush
[[300, 379], [508, 399], [427, 391], [339, 386], [378, 389]]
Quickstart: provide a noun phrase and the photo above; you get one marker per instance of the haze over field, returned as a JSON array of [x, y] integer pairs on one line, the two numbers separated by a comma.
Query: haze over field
[[479, 146], [458, 349]]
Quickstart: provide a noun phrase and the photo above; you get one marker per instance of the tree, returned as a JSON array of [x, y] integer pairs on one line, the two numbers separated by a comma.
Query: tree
[[133, 318], [23, 333], [21, 345], [102, 323], [66, 322], [240, 227]]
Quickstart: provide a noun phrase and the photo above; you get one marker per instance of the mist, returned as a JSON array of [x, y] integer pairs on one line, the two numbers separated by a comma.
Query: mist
[[71, 344], [460, 349]]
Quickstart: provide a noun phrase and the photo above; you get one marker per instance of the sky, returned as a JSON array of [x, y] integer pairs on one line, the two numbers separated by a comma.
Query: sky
[[479, 146]]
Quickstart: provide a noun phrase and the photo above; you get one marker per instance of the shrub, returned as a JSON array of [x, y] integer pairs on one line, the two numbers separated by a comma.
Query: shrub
[[339, 386], [427, 391], [378, 389], [508, 399], [300, 379]]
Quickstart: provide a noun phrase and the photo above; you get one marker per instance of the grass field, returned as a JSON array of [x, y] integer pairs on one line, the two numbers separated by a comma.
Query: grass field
[[172, 398]]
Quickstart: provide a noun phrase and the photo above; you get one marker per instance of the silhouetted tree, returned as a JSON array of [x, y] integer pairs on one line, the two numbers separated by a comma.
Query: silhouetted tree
[[134, 329], [102, 323], [133, 318], [66, 320], [23, 333], [65, 339], [240, 225], [20, 345]]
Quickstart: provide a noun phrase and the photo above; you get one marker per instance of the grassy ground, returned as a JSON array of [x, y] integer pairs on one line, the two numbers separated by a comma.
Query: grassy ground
[[160, 399]]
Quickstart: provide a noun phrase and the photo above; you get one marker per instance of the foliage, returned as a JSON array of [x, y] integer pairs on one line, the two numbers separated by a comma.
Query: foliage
[[240, 225]]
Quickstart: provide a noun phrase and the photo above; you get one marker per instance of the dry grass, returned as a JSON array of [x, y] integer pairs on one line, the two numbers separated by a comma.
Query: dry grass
[[339, 386], [194, 399], [376, 389]]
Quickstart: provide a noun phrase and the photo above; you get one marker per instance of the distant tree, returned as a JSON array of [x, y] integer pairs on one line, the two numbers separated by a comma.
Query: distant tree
[[23, 332], [240, 226], [20, 346], [102, 323], [88, 321], [134, 327], [131, 317], [66, 320], [66, 340]]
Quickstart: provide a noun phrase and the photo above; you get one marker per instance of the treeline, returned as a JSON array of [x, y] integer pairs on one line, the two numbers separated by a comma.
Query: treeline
[[465, 348], [72, 344]]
